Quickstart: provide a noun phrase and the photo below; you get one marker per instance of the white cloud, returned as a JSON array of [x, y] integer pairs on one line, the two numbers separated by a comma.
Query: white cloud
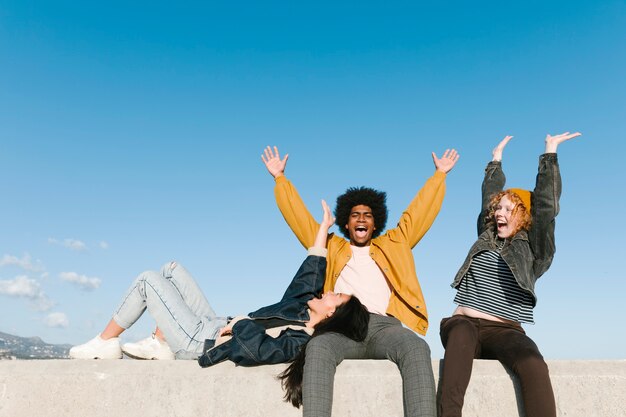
[[24, 287], [104, 245], [21, 286], [25, 262], [73, 244], [56, 320], [82, 281]]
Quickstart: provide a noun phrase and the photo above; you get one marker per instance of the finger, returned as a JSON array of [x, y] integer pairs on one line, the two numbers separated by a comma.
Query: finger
[[285, 159], [268, 153], [276, 154], [434, 157]]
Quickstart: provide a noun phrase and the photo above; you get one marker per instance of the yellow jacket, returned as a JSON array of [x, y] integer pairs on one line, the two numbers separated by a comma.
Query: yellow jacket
[[391, 251]]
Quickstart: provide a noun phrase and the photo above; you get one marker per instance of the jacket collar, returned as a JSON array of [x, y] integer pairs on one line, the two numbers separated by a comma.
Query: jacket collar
[[490, 236]]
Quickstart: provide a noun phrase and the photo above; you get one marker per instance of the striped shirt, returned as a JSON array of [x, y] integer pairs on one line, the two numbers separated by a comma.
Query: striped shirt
[[489, 286]]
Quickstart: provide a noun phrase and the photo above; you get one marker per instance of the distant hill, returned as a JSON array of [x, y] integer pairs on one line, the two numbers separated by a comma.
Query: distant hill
[[15, 347]]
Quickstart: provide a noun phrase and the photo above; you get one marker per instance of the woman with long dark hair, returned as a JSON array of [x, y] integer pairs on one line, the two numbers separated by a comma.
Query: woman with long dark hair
[[348, 321], [188, 328]]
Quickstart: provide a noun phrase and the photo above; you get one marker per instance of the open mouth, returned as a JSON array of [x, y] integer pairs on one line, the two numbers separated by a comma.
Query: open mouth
[[360, 231], [503, 228]]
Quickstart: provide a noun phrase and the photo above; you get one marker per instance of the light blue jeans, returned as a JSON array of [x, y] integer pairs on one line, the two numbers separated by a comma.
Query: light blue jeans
[[178, 306]]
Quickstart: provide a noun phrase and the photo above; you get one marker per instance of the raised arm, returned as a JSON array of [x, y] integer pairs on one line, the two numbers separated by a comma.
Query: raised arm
[[423, 209], [493, 182], [545, 203], [289, 202], [309, 280]]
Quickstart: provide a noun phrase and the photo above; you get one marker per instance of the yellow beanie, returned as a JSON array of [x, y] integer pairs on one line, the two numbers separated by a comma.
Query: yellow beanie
[[524, 195]]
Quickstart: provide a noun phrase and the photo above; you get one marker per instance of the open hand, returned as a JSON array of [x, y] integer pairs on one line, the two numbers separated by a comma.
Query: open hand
[[552, 142], [497, 151], [322, 233], [273, 163], [447, 161], [328, 220]]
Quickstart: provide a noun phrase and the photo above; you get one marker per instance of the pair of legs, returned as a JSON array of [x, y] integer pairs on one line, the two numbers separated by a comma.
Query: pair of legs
[[386, 339], [466, 338], [182, 313]]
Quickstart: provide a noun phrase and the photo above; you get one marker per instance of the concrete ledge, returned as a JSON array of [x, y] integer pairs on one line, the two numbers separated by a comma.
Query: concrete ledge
[[362, 388]]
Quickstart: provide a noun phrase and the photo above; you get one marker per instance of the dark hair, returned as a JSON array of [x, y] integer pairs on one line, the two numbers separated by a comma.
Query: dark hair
[[354, 196], [350, 319]]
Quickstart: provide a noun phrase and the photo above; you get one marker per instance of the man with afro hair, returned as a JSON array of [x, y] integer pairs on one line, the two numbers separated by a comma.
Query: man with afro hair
[[379, 269], [354, 196]]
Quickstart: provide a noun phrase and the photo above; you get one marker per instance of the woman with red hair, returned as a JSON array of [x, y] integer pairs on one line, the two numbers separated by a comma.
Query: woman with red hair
[[496, 285]]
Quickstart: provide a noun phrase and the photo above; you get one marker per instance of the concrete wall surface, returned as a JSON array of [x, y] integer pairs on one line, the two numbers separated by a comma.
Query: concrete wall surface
[[363, 388]]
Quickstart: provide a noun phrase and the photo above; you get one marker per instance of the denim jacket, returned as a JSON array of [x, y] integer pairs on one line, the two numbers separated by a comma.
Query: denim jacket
[[250, 344], [529, 253]]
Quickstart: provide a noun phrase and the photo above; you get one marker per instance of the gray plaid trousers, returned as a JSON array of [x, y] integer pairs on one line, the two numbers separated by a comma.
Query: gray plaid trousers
[[386, 339]]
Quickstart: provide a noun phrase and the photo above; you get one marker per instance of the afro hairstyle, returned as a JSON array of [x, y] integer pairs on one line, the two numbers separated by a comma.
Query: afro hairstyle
[[355, 196]]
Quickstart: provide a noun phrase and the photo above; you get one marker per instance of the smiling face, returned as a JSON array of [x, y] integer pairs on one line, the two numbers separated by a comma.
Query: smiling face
[[506, 218], [360, 225], [326, 305]]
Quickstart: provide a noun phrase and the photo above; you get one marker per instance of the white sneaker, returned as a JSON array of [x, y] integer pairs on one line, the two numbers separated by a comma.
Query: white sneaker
[[148, 348], [98, 348]]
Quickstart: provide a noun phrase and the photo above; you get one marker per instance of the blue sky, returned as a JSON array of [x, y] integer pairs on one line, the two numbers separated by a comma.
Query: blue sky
[[131, 135]]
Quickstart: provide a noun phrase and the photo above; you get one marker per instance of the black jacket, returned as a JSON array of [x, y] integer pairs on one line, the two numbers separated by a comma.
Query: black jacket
[[251, 345], [528, 254]]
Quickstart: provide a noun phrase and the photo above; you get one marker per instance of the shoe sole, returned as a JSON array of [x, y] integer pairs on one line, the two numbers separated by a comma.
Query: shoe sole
[[138, 357], [94, 357], [154, 358]]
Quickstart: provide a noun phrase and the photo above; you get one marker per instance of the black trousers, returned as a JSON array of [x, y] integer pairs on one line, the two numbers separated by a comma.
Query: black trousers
[[466, 338]]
